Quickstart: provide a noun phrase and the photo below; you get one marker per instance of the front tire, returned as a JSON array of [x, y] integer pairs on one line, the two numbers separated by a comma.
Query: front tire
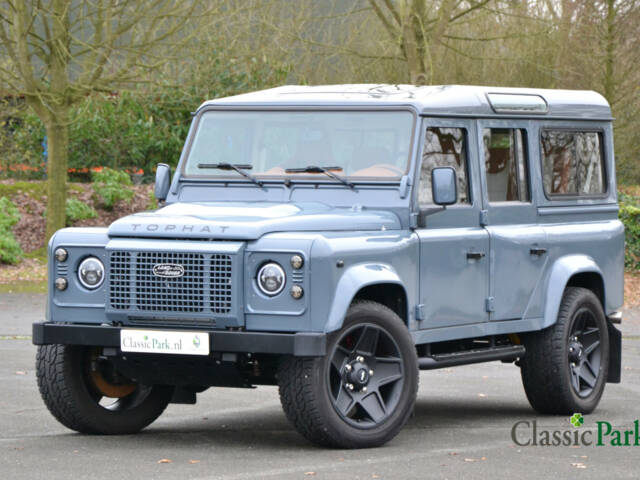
[[89, 399], [363, 391], [564, 370]]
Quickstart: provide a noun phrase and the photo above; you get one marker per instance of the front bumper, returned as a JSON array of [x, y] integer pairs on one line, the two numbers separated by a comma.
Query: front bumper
[[296, 344]]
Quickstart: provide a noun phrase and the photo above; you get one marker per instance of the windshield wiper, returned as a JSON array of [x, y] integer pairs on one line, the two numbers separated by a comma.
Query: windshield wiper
[[238, 167], [326, 170]]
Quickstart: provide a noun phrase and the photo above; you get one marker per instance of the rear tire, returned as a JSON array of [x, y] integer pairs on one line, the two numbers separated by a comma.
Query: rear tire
[[564, 370], [363, 391], [65, 381]]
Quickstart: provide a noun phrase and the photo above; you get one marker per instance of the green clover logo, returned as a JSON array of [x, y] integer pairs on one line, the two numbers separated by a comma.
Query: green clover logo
[[146, 338], [196, 341], [577, 420]]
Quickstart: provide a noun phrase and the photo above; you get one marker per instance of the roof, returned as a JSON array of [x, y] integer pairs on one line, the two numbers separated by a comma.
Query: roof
[[427, 100]]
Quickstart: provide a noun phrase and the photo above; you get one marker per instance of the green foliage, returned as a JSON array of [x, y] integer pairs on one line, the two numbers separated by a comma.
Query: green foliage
[[9, 215], [78, 210], [630, 216], [10, 251], [111, 186], [138, 130], [153, 201]]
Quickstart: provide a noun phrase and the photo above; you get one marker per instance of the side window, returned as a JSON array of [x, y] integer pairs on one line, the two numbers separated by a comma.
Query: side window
[[506, 164], [444, 147], [572, 163]]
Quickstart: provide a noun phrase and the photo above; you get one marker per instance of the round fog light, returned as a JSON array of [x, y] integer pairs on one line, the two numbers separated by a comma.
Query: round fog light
[[297, 262], [271, 279], [61, 254], [91, 273], [297, 292], [61, 283]]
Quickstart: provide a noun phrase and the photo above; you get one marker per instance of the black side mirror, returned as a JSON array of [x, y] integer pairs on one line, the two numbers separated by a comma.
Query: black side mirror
[[444, 186], [163, 181]]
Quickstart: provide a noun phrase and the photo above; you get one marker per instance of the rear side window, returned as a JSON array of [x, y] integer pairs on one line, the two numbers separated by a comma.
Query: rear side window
[[506, 164], [572, 163]]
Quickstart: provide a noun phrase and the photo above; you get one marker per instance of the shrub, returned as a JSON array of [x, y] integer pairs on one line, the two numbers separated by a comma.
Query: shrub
[[9, 215], [77, 210], [111, 186], [630, 216], [10, 251]]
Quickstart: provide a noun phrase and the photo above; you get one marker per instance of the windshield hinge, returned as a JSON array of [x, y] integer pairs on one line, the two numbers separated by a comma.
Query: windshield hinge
[[405, 183], [484, 218], [419, 312], [413, 220]]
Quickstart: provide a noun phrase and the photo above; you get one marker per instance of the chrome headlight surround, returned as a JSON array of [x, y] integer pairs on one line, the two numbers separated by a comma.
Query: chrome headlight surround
[[271, 279], [91, 273]]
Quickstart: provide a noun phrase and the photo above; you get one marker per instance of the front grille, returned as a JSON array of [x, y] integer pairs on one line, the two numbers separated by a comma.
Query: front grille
[[205, 287]]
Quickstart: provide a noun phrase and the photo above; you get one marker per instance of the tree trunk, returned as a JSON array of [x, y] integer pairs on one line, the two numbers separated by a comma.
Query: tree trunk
[[57, 140], [610, 52]]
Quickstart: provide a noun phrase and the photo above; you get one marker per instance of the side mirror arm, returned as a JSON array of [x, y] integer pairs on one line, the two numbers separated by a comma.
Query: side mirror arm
[[425, 212]]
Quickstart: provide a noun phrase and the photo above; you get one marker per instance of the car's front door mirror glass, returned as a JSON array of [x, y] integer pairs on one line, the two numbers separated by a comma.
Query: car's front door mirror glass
[[444, 186]]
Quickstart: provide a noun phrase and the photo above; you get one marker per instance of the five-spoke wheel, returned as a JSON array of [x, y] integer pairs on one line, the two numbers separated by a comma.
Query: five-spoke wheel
[[584, 352], [366, 375], [362, 392], [565, 366]]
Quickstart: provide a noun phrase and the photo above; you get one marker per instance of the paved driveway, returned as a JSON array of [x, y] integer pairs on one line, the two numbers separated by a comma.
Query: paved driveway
[[461, 428]]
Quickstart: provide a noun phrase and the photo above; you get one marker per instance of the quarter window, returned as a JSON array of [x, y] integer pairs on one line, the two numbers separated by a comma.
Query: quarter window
[[506, 164], [444, 147], [572, 163]]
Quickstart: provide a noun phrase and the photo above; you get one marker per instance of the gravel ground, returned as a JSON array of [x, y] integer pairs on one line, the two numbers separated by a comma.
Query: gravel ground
[[461, 428]]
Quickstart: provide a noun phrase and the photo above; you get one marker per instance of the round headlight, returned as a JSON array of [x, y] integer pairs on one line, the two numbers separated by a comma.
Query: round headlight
[[271, 279], [91, 273]]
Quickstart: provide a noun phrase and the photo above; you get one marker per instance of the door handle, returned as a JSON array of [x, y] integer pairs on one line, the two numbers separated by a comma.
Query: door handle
[[537, 251], [475, 255]]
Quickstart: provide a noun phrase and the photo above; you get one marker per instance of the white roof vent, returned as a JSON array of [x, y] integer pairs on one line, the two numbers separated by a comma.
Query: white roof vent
[[517, 103]]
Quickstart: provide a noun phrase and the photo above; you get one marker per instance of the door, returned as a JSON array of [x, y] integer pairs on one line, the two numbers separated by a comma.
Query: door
[[518, 249], [454, 247]]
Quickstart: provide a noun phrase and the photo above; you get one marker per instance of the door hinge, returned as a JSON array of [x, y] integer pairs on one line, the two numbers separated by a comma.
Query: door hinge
[[419, 312], [484, 217], [489, 304]]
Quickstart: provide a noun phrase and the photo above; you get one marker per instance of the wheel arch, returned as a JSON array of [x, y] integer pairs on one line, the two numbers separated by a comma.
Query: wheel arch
[[376, 282], [571, 271]]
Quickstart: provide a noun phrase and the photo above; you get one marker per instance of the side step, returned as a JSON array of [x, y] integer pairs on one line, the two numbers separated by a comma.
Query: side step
[[507, 353]]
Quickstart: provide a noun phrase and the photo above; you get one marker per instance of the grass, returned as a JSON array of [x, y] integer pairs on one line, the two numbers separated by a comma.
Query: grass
[[39, 254], [34, 189], [24, 286]]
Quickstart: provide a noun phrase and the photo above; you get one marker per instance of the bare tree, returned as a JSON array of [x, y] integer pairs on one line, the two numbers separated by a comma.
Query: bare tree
[[59, 51], [420, 27]]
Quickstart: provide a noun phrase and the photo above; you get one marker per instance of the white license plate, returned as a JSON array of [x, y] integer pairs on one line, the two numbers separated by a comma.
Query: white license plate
[[158, 341]]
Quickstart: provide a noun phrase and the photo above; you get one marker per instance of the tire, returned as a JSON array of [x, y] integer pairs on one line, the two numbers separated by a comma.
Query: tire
[[565, 366], [374, 353], [67, 386]]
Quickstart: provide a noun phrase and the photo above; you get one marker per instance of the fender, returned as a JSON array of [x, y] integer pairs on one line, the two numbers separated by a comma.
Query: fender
[[563, 269], [352, 281]]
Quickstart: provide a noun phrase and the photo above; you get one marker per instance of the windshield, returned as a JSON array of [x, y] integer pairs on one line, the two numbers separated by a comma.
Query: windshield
[[362, 144]]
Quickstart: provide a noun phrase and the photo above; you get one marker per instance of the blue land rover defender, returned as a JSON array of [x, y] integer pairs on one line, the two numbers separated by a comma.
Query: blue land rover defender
[[334, 241]]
